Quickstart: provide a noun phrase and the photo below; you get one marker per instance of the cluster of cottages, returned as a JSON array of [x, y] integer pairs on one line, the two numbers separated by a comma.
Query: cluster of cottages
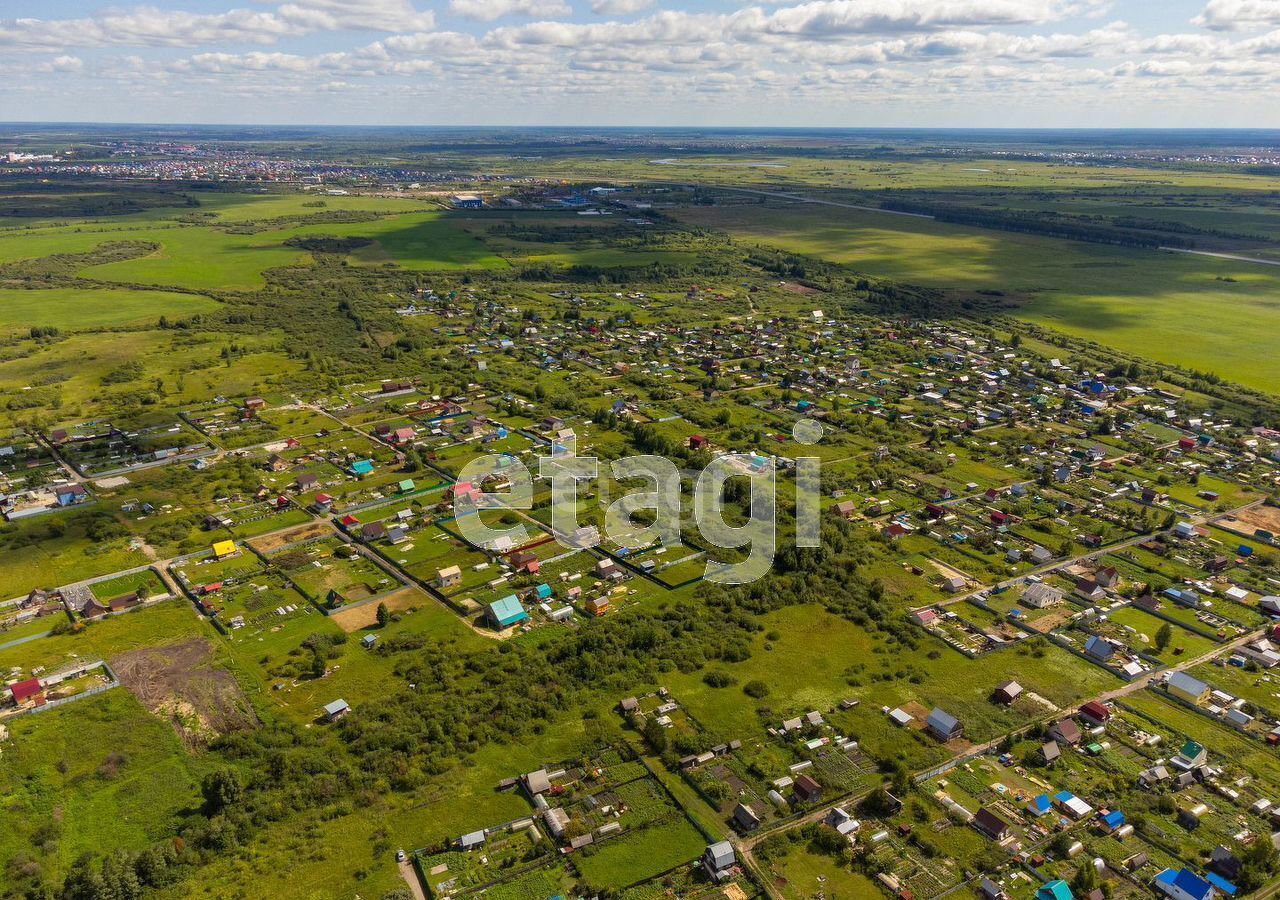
[[1188, 766], [513, 609], [1218, 704], [76, 600]]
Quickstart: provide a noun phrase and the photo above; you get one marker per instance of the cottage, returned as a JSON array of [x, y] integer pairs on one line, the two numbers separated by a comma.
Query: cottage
[[991, 825], [28, 691], [1041, 596], [525, 562], [1192, 755], [224, 549], [745, 818], [1008, 692], [925, 617], [1185, 687], [1184, 885], [806, 789], [1072, 805], [1065, 731], [506, 612], [719, 860], [336, 710], [449, 577], [1095, 713], [944, 726], [71, 494], [1099, 649], [536, 783]]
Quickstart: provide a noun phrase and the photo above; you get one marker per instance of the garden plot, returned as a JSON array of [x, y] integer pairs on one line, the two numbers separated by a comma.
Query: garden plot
[[254, 602], [973, 630], [252, 519], [512, 858], [145, 584], [333, 573], [672, 564], [431, 548], [25, 464]]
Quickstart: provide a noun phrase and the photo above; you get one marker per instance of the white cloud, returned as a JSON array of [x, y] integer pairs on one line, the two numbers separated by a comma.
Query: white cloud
[[489, 10], [1235, 15], [150, 26], [619, 7]]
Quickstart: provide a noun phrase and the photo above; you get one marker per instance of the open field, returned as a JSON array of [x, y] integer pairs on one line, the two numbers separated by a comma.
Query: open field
[[1145, 302], [75, 310]]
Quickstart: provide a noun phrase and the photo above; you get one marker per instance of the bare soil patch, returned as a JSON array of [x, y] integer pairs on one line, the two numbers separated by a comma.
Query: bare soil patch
[[273, 542], [183, 684], [1265, 517]]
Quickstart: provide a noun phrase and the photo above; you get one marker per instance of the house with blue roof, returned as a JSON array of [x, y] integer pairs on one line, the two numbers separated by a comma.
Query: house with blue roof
[[543, 591], [1039, 806], [1113, 820], [506, 612], [1098, 648], [1221, 884], [1184, 885], [362, 467]]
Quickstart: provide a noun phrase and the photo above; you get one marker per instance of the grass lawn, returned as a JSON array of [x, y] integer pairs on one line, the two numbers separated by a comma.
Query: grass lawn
[[803, 874], [641, 854], [63, 560], [853, 664]]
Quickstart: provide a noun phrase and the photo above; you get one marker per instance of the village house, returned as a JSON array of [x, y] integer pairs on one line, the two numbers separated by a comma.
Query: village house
[[943, 726]]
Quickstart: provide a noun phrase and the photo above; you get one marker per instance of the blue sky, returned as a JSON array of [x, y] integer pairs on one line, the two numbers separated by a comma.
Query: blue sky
[[958, 63]]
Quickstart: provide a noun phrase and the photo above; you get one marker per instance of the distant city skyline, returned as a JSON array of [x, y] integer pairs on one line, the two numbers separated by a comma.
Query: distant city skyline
[[838, 63]]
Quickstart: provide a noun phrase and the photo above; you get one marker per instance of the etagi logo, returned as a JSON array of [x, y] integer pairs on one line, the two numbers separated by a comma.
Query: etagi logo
[[652, 514]]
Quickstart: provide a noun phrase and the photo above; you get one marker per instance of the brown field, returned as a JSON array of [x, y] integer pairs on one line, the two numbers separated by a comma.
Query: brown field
[[272, 542], [350, 620], [1265, 517]]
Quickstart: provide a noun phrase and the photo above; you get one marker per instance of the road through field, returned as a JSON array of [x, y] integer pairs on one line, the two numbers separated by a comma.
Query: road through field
[[1230, 256], [803, 199]]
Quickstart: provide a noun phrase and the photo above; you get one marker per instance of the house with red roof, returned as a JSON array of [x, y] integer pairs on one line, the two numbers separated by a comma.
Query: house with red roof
[[24, 692]]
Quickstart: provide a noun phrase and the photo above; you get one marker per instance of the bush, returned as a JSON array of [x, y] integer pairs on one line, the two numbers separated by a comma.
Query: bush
[[756, 688]]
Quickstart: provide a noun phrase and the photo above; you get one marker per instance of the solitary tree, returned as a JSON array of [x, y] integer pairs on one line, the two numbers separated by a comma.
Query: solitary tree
[[384, 615], [220, 790], [1163, 637]]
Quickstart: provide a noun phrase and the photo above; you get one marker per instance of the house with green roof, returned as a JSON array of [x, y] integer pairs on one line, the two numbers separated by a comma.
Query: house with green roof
[[1055, 890], [506, 612]]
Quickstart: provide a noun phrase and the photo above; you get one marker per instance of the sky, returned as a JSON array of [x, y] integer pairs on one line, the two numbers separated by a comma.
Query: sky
[[831, 63]]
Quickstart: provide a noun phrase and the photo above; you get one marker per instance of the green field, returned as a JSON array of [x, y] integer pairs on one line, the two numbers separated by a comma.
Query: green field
[[1150, 303], [75, 309], [99, 760]]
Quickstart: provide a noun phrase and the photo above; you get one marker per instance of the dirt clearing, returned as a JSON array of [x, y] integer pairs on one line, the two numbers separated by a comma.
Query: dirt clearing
[[1265, 517], [183, 684], [273, 542]]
